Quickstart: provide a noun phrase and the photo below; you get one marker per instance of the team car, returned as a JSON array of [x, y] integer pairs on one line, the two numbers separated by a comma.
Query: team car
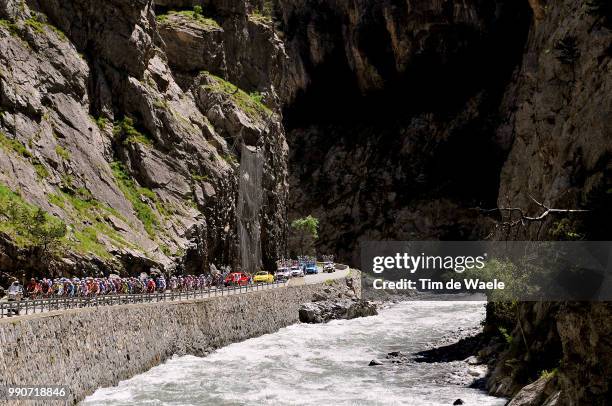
[[296, 271], [283, 273], [311, 268], [236, 279], [263, 277], [328, 267]]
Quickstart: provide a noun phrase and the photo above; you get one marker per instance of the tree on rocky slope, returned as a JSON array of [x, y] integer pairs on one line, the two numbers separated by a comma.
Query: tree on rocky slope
[[28, 226], [304, 233]]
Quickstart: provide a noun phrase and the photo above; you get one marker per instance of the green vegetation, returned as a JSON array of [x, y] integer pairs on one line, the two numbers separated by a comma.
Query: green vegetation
[[249, 103], [259, 17], [161, 104], [40, 169], [89, 218], [101, 122], [257, 97], [165, 249], [508, 337], [126, 132], [10, 26], [16, 147], [547, 374], [566, 230], [199, 178], [62, 152], [67, 182], [196, 15], [137, 196], [304, 233], [88, 242], [36, 23], [29, 226], [263, 15], [230, 159], [518, 279]]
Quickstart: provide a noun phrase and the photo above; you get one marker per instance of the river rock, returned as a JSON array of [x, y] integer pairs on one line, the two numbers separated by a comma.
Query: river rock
[[323, 311], [472, 360], [374, 362], [458, 402], [536, 393], [478, 371]]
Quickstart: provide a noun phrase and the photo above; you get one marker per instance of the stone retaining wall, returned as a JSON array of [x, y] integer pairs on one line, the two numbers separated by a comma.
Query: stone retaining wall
[[89, 348]]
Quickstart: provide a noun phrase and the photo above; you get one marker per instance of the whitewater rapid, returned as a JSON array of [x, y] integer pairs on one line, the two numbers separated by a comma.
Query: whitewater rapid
[[324, 364]]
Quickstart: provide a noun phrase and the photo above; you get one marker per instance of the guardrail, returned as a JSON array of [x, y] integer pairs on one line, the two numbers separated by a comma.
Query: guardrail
[[33, 306]]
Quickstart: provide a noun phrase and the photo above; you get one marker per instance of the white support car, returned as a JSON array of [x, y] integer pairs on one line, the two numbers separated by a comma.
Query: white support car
[[329, 267], [296, 271], [283, 274]]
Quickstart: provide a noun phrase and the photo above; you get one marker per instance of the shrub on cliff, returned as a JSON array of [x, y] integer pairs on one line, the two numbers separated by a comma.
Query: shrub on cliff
[[29, 226]]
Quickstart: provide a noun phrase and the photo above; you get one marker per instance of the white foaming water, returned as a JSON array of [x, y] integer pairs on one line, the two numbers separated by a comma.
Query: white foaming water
[[322, 364]]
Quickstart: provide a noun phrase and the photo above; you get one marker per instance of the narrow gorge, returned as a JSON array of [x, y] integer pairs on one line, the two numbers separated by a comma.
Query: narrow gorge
[[122, 123]]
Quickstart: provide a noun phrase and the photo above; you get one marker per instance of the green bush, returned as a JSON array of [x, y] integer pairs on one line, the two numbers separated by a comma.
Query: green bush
[[507, 337], [28, 225], [196, 15], [547, 374], [125, 132], [249, 103], [101, 122], [15, 146], [566, 230], [62, 152]]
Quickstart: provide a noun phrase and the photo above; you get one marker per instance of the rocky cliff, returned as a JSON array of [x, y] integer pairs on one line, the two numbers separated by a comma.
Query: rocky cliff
[[122, 121], [126, 125], [556, 115], [407, 97]]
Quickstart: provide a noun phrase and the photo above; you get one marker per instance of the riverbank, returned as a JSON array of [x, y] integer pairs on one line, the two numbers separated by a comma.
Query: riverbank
[[85, 349]]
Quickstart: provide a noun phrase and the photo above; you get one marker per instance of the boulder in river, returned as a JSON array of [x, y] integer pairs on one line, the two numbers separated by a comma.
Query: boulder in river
[[323, 311], [374, 362]]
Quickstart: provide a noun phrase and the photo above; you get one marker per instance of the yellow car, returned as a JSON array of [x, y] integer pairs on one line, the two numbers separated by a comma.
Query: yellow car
[[263, 277]]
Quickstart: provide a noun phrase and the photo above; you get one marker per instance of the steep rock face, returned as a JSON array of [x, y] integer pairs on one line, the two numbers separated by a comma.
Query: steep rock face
[[557, 117], [240, 44], [585, 332], [99, 133], [406, 97]]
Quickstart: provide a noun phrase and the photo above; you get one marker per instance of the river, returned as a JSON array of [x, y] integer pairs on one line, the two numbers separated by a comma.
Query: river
[[318, 365]]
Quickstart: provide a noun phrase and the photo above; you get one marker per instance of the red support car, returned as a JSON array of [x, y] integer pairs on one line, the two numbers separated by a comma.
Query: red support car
[[236, 279]]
